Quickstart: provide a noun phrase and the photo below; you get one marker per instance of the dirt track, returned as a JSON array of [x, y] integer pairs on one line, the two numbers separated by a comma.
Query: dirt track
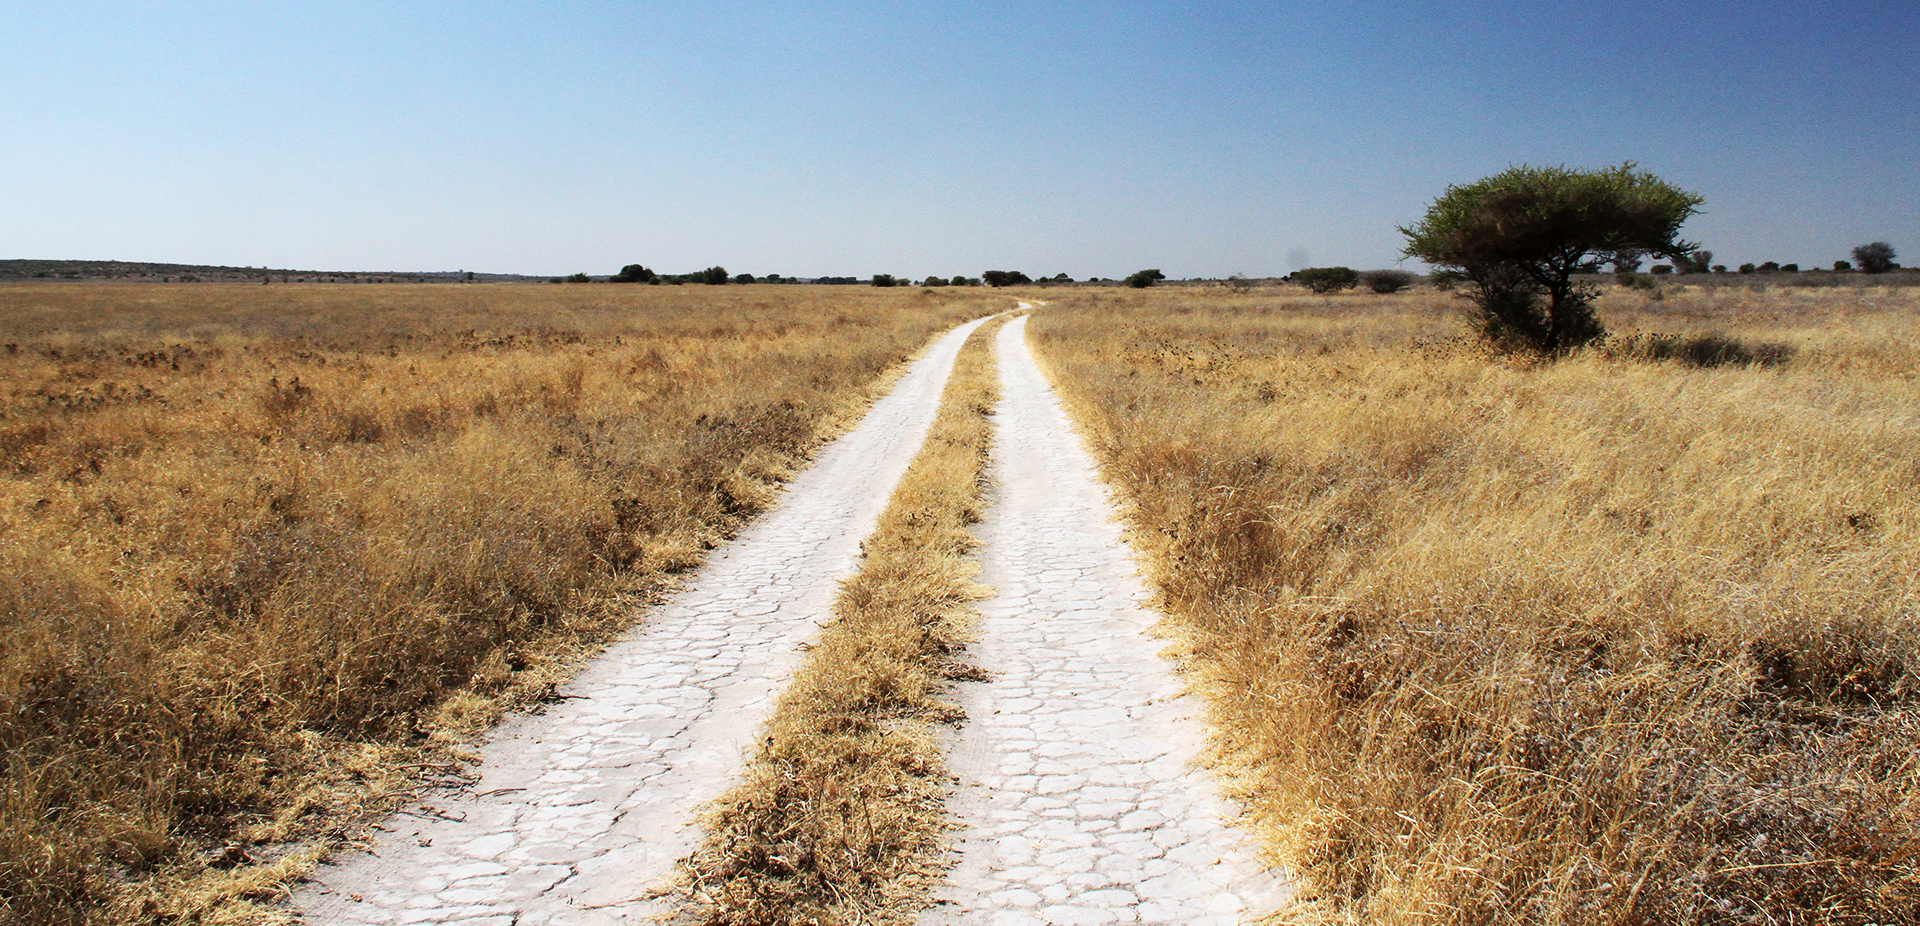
[[1079, 800]]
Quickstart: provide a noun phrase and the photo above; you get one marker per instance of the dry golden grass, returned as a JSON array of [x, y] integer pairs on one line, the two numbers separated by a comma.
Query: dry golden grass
[[1596, 641], [840, 816], [266, 551]]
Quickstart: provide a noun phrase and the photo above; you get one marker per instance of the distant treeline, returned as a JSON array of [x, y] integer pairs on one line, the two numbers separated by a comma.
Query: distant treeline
[[714, 276], [149, 272]]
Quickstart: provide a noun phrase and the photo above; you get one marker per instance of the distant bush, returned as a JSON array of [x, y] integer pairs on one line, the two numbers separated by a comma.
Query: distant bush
[[743, 278], [714, 276], [1876, 257], [1005, 278], [1719, 268], [1387, 281], [1641, 282], [1841, 266], [963, 281], [884, 280], [579, 278], [1770, 267], [1748, 268], [934, 281], [1326, 279], [634, 273], [1659, 269], [1145, 278], [1693, 262]]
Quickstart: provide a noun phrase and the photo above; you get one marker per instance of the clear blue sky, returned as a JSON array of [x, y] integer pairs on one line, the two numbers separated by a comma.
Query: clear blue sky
[[915, 138]]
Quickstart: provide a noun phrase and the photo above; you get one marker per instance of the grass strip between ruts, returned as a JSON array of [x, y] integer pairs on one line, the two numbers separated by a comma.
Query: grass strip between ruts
[[840, 814]]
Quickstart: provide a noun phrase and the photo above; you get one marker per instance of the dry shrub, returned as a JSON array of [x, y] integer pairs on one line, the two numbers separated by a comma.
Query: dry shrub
[[840, 816], [1489, 641], [253, 538], [1706, 350]]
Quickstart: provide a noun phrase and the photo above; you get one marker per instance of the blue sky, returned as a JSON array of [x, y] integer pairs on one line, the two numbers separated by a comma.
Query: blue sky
[[813, 138]]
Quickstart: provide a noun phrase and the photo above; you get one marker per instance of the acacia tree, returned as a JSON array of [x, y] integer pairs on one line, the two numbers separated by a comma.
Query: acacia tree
[[1876, 257], [1626, 261], [1325, 280], [1518, 237]]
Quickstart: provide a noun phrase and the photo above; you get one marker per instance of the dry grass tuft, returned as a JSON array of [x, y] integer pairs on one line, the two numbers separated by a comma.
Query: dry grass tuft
[[1486, 641], [267, 552], [840, 816]]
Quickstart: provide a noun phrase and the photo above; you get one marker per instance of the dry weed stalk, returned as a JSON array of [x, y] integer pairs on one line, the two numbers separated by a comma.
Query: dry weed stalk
[[264, 548], [839, 818], [1596, 641]]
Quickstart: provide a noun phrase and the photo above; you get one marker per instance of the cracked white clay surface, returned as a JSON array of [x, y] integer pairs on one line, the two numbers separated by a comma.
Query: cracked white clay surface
[[578, 811], [1079, 799]]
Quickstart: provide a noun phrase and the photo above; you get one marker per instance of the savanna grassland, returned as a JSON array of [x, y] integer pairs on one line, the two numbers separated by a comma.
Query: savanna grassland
[[1612, 639], [267, 552]]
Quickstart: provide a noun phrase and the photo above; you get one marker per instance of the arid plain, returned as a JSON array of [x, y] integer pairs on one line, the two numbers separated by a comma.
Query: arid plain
[[1620, 637]]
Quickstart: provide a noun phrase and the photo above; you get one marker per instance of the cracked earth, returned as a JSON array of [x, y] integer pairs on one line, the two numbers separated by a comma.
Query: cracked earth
[[1079, 799]]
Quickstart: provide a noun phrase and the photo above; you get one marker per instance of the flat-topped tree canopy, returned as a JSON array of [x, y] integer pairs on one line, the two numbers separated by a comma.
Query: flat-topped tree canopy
[[1554, 217]]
